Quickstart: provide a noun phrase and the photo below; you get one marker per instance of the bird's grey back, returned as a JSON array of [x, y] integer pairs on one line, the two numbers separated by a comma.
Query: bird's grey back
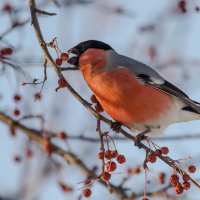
[[115, 60]]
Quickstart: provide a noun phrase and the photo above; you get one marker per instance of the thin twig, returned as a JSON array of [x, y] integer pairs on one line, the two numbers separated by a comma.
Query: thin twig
[[44, 12]]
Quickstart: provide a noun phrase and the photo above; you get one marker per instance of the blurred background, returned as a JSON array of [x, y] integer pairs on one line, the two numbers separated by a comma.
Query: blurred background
[[162, 34]]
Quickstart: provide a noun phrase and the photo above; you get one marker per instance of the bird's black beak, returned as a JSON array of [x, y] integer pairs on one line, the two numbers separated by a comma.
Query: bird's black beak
[[74, 50], [75, 59]]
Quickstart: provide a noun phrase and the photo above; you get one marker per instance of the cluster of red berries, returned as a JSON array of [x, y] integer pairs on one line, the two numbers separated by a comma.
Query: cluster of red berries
[[17, 98], [152, 157], [135, 170], [6, 51], [98, 106], [110, 166], [63, 57], [185, 185]]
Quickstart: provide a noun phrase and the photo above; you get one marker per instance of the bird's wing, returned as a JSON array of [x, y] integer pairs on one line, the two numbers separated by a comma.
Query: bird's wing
[[151, 78]]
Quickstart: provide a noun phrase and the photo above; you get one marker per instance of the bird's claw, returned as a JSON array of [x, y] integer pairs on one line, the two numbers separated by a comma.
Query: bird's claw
[[140, 137], [115, 126]]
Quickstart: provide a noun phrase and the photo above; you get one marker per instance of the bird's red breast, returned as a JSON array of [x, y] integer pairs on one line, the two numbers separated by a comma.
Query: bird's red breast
[[122, 96]]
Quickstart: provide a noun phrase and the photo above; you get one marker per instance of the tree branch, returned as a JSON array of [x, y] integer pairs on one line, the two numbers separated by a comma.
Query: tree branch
[[36, 136]]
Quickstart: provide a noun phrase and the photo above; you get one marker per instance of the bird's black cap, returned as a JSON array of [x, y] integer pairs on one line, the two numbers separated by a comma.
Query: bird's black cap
[[83, 46]]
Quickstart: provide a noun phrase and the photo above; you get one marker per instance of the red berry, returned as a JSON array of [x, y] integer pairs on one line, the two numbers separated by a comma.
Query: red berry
[[62, 83], [165, 150], [6, 51], [37, 96], [106, 176], [59, 61], [93, 99], [108, 154], [186, 177], [7, 8], [62, 135], [161, 177], [16, 112], [178, 188], [87, 192], [101, 155], [158, 152], [12, 131], [17, 158], [17, 97], [151, 158], [129, 171], [186, 185], [174, 179], [182, 6], [64, 56], [48, 147], [99, 108], [114, 154], [65, 187], [136, 170], [121, 159], [111, 166], [29, 153], [191, 168]]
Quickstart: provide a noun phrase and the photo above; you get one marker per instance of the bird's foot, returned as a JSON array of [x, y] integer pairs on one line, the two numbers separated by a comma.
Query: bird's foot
[[140, 137], [115, 126]]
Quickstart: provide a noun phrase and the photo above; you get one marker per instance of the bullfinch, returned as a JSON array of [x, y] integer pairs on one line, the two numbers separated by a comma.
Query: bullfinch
[[131, 92]]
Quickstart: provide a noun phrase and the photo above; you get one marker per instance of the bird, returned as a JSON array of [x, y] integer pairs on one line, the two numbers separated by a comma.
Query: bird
[[131, 92]]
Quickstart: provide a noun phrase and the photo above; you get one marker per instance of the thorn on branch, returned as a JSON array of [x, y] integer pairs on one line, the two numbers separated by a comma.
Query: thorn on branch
[[44, 12]]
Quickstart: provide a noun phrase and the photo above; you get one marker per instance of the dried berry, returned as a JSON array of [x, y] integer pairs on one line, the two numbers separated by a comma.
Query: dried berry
[[93, 99], [62, 83], [99, 108]]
